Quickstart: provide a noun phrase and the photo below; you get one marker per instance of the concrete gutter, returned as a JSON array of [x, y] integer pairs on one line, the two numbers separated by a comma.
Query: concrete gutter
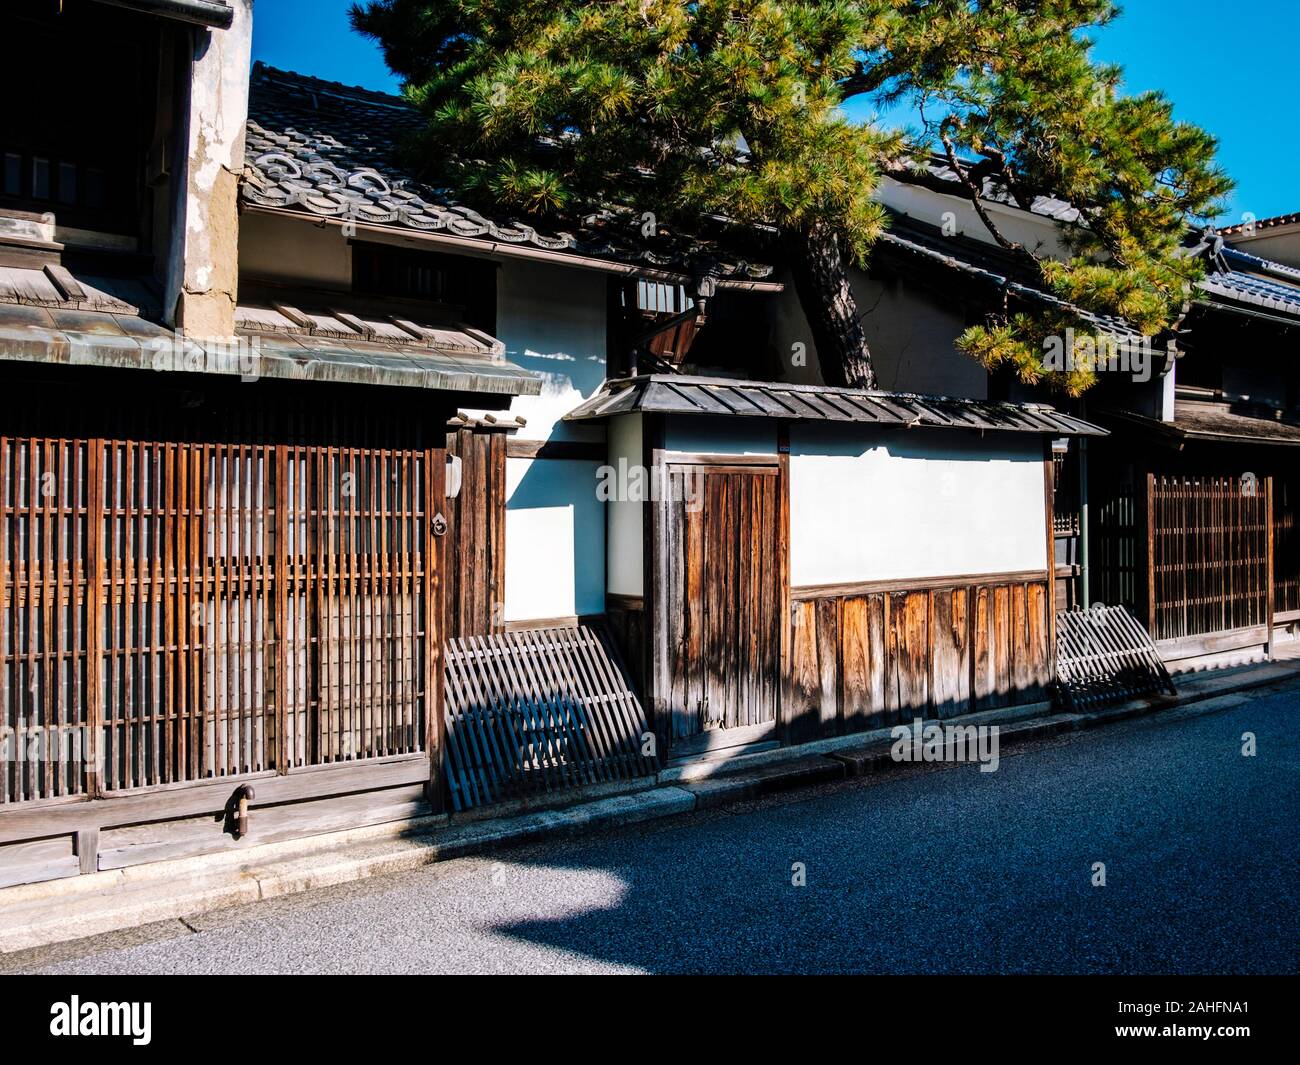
[[54, 911]]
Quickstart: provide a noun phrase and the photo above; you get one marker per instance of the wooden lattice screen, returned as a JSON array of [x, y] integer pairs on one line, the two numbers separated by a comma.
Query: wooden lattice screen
[[1104, 656], [1286, 544], [537, 711], [175, 612], [1210, 554]]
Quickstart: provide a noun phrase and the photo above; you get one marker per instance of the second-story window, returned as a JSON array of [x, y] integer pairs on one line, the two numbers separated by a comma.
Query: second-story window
[[464, 288]]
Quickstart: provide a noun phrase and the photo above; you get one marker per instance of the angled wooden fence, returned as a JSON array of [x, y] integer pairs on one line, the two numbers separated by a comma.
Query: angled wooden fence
[[1104, 656], [536, 711]]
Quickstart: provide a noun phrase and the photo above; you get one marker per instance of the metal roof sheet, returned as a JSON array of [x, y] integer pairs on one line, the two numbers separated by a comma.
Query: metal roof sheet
[[30, 333], [667, 394]]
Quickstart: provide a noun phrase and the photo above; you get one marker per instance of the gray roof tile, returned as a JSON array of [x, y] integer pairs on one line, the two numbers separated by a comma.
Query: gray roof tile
[[330, 150]]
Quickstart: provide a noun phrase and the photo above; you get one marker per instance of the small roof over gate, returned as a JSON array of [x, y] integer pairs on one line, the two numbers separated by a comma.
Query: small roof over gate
[[668, 394]]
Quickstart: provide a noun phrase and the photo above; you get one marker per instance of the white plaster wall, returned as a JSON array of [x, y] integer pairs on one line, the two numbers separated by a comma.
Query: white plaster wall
[[912, 335], [1281, 245], [910, 332], [288, 249], [893, 505], [552, 322], [721, 435], [555, 539], [1036, 232], [625, 534]]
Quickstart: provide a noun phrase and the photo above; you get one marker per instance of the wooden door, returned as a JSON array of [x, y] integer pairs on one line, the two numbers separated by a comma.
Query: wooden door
[[723, 599]]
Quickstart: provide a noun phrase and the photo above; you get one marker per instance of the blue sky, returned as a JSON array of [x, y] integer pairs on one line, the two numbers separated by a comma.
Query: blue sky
[[1235, 75]]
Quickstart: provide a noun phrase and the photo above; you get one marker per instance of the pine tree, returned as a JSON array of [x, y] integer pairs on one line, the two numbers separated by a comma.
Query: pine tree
[[679, 112]]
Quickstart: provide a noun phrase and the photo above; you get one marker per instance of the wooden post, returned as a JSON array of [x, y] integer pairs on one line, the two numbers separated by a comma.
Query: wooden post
[[95, 588], [1148, 504], [655, 586], [1049, 505], [1268, 569], [786, 614], [435, 479], [283, 755]]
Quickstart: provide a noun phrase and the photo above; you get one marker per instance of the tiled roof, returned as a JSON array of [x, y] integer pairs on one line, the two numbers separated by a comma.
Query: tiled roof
[[1258, 282], [328, 149], [670, 394], [988, 263], [1220, 421], [214, 13], [1244, 228], [936, 173], [117, 341]]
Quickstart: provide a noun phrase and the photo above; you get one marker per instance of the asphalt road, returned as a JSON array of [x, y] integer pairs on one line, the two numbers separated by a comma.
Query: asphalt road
[[934, 869]]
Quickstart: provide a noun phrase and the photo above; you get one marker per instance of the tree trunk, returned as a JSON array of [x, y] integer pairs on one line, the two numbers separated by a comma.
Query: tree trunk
[[821, 280]]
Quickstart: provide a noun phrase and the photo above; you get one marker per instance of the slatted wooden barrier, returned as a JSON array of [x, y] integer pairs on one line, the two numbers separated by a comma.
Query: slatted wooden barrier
[[537, 711], [1286, 544], [175, 612], [1210, 554], [1104, 656]]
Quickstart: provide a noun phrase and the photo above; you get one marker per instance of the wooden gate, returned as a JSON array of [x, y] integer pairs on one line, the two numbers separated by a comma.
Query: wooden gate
[[723, 605], [179, 612]]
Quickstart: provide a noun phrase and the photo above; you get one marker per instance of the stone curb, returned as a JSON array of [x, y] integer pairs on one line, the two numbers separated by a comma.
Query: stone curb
[[35, 915]]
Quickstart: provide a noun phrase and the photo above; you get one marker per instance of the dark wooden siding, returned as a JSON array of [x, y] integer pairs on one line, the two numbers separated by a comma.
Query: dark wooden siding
[[880, 654], [476, 539]]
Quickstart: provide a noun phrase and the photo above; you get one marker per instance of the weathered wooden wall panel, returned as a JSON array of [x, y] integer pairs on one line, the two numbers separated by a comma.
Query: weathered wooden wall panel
[[863, 658], [722, 591], [1286, 544]]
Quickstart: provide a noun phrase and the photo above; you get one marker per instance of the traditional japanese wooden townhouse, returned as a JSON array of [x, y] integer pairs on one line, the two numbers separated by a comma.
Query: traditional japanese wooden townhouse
[[1187, 512], [221, 561]]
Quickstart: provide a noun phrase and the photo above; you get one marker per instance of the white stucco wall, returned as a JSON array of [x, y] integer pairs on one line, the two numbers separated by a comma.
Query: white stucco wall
[[291, 250], [552, 322], [625, 536], [903, 504], [1036, 232], [911, 334], [720, 436], [555, 540]]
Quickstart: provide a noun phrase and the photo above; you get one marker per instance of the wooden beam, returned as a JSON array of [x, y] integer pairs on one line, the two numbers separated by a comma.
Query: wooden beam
[[913, 584], [168, 803], [573, 450], [435, 559]]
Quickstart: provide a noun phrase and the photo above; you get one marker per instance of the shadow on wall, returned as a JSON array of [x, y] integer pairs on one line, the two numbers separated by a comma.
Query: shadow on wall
[[552, 322], [555, 539]]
